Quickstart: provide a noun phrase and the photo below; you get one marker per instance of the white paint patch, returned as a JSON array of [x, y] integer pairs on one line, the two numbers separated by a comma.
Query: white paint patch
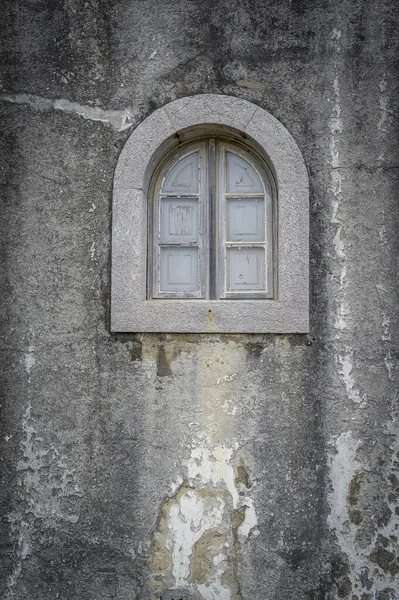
[[342, 467], [346, 372], [229, 407], [339, 247], [250, 522], [226, 378], [30, 360], [345, 354], [213, 468], [385, 325], [385, 112], [336, 184], [188, 521], [389, 365], [214, 591], [117, 119], [382, 233], [175, 485], [336, 128], [387, 337], [92, 251], [336, 34]]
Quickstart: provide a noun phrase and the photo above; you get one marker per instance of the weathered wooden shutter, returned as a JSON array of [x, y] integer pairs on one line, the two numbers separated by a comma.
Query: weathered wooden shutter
[[178, 228]]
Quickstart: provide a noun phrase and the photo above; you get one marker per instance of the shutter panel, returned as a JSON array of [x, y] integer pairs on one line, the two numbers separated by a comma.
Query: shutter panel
[[212, 225], [245, 226], [179, 220], [245, 219], [179, 227], [179, 270], [246, 269], [241, 176], [183, 176]]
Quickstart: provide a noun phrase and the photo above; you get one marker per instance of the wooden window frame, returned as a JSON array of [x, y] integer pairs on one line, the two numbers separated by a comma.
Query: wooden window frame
[[270, 200], [213, 243], [154, 221]]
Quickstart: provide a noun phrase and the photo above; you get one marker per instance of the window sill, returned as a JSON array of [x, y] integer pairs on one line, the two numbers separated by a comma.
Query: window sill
[[211, 316]]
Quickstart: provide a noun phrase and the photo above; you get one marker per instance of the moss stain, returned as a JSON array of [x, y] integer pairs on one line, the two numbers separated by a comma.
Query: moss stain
[[344, 588], [354, 489], [242, 477], [356, 517], [163, 363]]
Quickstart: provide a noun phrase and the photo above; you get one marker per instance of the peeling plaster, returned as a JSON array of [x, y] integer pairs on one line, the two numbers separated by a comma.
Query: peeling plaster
[[30, 360], [250, 522], [385, 326], [212, 508], [336, 128], [45, 480], [383, 126], [386, 336], [212, 468], [342, 466], [372, 563], [120, 120], [346, 372], [188, 521], [345, 355]]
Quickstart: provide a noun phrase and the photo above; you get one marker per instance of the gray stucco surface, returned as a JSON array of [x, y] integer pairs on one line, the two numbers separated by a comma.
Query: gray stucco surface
[[140, 466]]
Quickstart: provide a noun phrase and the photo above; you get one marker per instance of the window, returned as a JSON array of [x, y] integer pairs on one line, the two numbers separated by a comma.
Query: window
[[212, 224]]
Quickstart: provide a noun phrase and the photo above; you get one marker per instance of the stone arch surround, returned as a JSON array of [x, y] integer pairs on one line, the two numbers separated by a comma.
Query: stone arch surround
[[163, 130]]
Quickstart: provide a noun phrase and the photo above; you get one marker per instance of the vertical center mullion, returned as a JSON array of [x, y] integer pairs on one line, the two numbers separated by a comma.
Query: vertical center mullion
[[212, 215]]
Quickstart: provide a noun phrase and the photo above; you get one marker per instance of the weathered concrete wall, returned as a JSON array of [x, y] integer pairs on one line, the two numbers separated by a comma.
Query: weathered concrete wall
[[237, 467]]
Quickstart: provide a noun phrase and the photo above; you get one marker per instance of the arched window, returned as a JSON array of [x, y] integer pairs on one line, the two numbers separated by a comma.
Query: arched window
[[211, 232], [210, 222]]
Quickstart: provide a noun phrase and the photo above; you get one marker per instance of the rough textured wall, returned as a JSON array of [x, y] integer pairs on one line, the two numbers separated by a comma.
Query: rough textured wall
[[214, 467]]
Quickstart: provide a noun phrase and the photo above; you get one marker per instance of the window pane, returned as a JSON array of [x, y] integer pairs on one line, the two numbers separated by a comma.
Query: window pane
[[183, 176], [245, 269], [246, 219], [179, 220], [241, 177], [179, 270]]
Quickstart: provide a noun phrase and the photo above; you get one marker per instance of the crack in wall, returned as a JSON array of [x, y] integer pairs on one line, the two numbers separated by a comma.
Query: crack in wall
[[120, 120]]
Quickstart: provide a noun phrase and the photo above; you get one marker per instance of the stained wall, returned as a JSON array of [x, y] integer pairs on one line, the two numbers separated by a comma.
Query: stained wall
[[141, 466]]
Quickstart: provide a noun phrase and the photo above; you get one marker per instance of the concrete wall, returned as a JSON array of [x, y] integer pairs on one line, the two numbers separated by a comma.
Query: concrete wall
[[229, 467]]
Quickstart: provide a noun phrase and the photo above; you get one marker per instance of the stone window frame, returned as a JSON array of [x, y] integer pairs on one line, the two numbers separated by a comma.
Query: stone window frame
[[180, 121]]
